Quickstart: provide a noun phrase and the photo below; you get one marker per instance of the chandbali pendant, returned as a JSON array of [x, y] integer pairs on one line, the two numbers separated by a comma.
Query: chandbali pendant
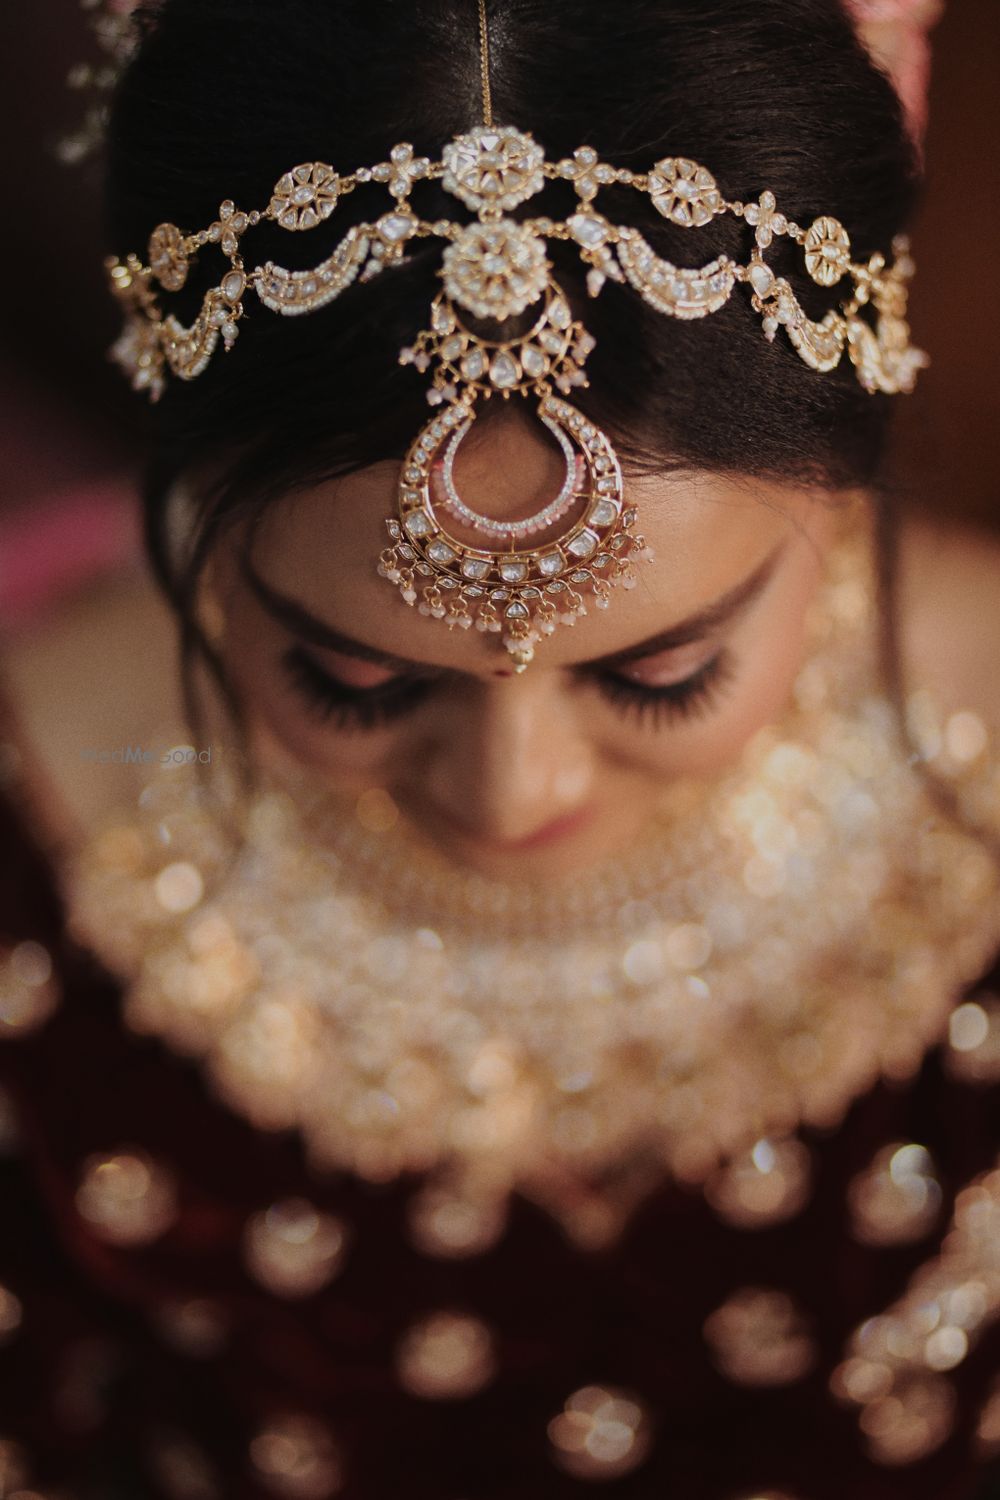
[[524, 576]]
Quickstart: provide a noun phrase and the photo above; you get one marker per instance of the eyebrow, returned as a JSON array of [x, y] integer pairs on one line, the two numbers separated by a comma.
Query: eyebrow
[[296, 618]]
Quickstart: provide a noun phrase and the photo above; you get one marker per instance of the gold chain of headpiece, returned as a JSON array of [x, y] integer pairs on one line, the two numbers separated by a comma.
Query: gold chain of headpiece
[[520, 577], [484, 64]]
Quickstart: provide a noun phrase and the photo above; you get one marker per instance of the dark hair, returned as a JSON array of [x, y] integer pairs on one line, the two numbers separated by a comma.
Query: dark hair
[[226, 95]]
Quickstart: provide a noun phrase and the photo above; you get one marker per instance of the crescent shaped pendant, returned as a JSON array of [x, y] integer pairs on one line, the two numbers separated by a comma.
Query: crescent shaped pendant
[[520, 593]]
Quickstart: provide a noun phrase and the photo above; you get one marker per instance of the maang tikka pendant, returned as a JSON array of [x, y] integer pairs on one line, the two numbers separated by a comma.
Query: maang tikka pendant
[[525, 577]]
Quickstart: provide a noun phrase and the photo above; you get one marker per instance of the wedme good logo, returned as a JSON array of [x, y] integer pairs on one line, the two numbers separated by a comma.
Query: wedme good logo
[[138, 755]]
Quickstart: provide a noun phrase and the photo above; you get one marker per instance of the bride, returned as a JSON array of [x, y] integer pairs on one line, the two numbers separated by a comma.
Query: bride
[[530, 1024]]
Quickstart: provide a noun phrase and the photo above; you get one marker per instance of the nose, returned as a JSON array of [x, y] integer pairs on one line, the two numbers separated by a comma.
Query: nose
[[510, 760]]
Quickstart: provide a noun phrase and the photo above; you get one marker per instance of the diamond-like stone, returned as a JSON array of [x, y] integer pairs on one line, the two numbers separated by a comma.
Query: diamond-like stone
[[513, 571], [549, 564], [499, 595], [475, 567], [440, 552], [451, 348], [533, 361], [517, 611], [504, 372], [604, 513], [579, 577], [761, 278], [474, 364], [583, 544], [587, 229], [559, 314], [396, 227], [418, 524], [232, 286]]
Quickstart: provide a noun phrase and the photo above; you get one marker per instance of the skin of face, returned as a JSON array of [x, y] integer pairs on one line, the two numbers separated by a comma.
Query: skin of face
[[533, 776]]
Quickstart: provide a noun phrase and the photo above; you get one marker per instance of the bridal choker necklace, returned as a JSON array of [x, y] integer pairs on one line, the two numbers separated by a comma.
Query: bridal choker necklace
[[784, 936]]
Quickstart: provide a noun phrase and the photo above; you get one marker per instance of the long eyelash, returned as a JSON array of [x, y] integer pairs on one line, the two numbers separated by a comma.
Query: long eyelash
[[694, 697], [346, 707]]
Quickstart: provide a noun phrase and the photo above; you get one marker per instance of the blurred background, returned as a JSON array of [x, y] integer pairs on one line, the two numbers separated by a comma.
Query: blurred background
[[70, 429]]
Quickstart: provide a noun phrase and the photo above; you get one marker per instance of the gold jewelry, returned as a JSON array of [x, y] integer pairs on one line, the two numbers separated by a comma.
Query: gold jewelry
[[578, 1042], [523, 577], [484, 64]]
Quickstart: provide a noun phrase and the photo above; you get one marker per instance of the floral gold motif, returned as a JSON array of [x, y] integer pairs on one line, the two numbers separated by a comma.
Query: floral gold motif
[[305, 196], [495, 269], [684, 192], [828, 250], [493, 168], [168, 257]]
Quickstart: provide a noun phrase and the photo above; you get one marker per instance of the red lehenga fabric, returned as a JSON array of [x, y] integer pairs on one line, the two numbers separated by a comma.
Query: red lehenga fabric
[[103, 1395]]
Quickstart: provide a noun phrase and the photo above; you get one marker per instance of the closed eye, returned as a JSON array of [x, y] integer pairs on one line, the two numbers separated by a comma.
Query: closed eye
[[346, 706], [654, 704]]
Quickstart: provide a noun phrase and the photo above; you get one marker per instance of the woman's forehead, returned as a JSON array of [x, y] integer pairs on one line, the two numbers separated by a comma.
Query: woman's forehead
[[710, 533]]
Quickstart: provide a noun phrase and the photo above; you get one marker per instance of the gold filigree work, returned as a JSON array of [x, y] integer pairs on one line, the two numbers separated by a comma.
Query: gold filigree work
[[495, 269]]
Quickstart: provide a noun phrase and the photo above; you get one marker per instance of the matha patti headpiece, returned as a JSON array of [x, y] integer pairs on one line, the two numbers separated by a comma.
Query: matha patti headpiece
[[520, 578]]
